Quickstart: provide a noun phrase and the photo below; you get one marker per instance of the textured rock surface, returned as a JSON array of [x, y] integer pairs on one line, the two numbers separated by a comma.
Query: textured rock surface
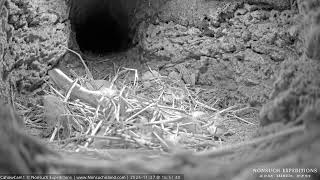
[[235, 48], [32, 35], [3, 45], [298, 86], [192, 12]]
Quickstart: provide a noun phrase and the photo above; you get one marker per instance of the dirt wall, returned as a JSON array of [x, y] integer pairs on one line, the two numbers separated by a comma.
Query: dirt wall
[[32, 35], [298, 86], [235, 48]]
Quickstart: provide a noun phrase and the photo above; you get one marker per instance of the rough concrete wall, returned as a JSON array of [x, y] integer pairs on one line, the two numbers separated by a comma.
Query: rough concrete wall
[[32, 34], [4, 32], [235, 48], [275, 4], [192, 12]]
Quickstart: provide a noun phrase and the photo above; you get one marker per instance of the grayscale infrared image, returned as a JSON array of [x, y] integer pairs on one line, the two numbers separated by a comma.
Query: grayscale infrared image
[[160, 89]]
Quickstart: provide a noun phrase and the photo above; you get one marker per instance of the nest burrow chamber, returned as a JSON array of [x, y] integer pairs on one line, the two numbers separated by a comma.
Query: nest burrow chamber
[[102, 26]]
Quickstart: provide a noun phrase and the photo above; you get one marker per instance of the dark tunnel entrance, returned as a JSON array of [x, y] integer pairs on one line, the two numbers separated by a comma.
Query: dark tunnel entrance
[[101, 26]]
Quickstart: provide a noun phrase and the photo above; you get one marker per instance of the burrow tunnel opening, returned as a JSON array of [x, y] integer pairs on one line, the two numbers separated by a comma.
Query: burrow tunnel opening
[[101, 26]]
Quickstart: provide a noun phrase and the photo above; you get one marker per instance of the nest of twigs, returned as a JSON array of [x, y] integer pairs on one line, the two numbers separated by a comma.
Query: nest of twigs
[[152, 112], [131, 112]]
